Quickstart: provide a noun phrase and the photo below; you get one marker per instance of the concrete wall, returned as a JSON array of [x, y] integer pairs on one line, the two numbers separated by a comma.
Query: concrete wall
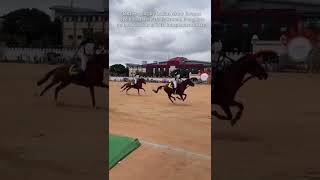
[[32, 55]]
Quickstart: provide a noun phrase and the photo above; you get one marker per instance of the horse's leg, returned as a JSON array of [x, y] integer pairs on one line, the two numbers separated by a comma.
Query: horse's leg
[[173, 97], [128, 89], [143, 89], [169, 96], [181, 98], [227, 110], [138, 91], [185, 96], [59, 88], [124, 88], [93, 99], [48, 87], [239, 113]]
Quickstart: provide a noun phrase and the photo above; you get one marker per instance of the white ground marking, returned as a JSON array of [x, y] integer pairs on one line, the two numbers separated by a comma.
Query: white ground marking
[[176, 150]]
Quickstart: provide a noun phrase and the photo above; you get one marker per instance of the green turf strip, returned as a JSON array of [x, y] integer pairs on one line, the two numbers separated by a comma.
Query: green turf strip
[[120, 147]]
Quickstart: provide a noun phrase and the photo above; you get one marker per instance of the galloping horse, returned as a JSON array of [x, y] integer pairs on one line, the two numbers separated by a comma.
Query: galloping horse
[[168, 88], [63, 75], [137, 86], [227, 82]]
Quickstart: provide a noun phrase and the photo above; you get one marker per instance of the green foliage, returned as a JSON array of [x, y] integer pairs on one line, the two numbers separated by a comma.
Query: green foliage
[[118, 70], [26, 26]]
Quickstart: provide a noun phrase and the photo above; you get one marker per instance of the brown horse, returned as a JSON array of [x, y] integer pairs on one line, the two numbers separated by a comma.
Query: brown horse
[[168, 88], [226, 83], [137, 86], [63, 75]]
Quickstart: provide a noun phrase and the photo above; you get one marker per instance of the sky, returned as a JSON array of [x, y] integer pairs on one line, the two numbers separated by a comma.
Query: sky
[[9, 5], [137, 44]]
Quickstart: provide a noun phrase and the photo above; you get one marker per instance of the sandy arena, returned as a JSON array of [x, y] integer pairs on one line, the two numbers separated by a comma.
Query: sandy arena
[[278, 135], [183, 128], [40, 140]]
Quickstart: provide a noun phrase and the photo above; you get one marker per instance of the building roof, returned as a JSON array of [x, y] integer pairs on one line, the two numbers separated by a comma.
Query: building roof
[[67, 10], [182, 60], [133, 65], [71, 9]]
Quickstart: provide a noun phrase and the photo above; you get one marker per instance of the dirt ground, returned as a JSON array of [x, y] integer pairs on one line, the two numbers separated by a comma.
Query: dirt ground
[[278, 135], [40, 140], [183, 128]]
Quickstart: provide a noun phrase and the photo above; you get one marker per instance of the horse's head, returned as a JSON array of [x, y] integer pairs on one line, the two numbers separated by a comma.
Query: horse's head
[[254, 67], [189, 82]]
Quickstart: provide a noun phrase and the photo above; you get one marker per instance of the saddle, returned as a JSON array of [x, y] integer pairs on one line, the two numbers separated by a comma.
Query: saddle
[[170, 85], [74, 70]]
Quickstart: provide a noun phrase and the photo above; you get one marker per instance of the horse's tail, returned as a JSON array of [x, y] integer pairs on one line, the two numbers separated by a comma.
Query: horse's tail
[[156, 91], [46, 77]]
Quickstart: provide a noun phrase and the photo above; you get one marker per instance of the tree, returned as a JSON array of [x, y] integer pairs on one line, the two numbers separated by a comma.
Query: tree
[[118, 70], [31, 25]]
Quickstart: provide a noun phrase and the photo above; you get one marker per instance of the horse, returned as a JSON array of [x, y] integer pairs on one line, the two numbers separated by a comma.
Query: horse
[[227, 82], [168, 88], [63, 74], [137, 86]]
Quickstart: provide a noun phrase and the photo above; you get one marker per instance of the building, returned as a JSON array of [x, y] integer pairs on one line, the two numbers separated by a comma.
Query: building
[[1, 23], [136, 69], [76, 22], [235, 23], [164, 68]]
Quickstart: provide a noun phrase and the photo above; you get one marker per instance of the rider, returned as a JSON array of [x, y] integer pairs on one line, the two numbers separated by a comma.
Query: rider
[[135, 79], [176, 82], [86, 51]]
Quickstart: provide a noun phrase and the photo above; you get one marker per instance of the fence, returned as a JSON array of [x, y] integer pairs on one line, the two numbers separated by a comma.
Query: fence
[[36, 55], [149, 79]]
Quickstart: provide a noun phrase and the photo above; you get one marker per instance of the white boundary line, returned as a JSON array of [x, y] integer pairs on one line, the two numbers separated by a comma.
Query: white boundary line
[[177, 150]]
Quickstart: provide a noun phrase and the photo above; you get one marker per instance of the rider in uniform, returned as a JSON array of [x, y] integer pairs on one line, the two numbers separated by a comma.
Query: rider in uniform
[[135, 79], [176, 82], [87, 50]]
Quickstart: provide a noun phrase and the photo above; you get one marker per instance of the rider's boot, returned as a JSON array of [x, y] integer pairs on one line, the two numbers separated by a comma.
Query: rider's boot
[[174, 90]]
